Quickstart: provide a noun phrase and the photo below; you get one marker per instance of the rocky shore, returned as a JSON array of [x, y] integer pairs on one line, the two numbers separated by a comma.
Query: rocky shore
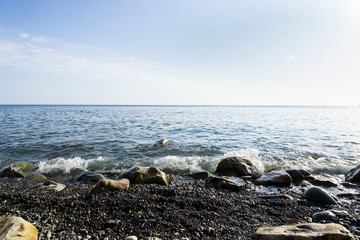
[[64, 206]]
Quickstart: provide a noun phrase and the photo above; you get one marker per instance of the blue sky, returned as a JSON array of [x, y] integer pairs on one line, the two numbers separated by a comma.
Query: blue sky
[[180, 52]]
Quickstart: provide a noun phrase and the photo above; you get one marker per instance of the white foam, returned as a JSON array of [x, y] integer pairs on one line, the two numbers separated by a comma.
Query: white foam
[[190, 164], [199, 163], [66, 164]]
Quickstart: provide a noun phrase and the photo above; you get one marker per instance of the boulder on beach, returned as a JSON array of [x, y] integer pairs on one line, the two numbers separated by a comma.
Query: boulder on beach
[[16, 228], [317, 195], [298, 175], [108, 185], [90, 177], [276, 178], [145, 175], [11, 173], [237, 167], [223, 183], [353, 175], [309, 231]]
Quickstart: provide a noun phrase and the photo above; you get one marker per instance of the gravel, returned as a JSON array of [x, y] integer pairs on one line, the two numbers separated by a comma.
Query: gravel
[[186, 209]]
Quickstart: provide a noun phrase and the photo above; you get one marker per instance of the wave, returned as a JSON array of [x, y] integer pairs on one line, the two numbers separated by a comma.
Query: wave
[[66, 165]]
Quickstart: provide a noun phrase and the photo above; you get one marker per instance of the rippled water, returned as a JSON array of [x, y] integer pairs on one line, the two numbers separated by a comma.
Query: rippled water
[[324, 140]]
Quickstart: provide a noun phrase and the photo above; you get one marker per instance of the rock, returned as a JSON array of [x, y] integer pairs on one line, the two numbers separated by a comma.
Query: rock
[[276, 178], [145, 175], [237, 167], [131, 238], [223, 183], [353, 175], [16, 228], [50, 185], [298, 175], [317, 195], [308, 231], [200, 175], [162, 142], [107, 185], [36, 178], [272, 196], [111, 223], [209, 231], [322, 182], [11, 173], [90, 177], [24, 167], [324, 216]]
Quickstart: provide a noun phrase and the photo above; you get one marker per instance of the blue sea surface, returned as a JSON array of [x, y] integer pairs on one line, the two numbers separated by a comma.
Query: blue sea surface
[[324, 140]]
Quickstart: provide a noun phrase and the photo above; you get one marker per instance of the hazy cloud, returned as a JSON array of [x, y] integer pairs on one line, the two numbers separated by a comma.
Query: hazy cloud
[[24, 35], [73, 61], [291, 58], [39, 39]]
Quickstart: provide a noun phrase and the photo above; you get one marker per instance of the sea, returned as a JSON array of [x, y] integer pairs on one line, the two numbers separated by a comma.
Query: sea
[[325, 140]]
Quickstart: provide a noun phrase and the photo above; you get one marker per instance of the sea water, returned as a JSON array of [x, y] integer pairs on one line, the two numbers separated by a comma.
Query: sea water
[[321, 139]]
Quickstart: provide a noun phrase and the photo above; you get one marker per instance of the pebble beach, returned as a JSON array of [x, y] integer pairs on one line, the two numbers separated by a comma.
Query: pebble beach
[[185, 209]]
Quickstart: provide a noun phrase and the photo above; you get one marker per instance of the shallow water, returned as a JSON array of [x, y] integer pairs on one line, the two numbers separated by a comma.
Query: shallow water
[[323, 140]]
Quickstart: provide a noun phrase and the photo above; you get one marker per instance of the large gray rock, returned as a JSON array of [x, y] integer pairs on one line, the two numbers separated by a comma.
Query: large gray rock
[[307, 231], [353, 175], [317, 195], [237, 167], [16, 228], [11, 173], [108, 185], [145, 175], [276, 178], [223, 183], [90, 177]]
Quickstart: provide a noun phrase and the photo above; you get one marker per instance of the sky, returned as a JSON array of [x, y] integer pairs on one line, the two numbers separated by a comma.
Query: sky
[[180, 52]]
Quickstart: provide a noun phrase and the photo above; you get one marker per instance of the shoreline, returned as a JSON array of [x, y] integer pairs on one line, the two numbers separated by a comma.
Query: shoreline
[[185, 209]]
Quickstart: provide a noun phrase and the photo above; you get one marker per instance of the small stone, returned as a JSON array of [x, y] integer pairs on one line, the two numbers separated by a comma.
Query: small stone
[[111, 223], [326, 216], [200, 175], [131, 238], [162, 142], [48, 234], [50, 185], [229, 184], [209, 231]]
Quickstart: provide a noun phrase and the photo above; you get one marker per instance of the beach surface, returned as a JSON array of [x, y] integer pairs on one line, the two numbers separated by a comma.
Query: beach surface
[[185, 209]]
